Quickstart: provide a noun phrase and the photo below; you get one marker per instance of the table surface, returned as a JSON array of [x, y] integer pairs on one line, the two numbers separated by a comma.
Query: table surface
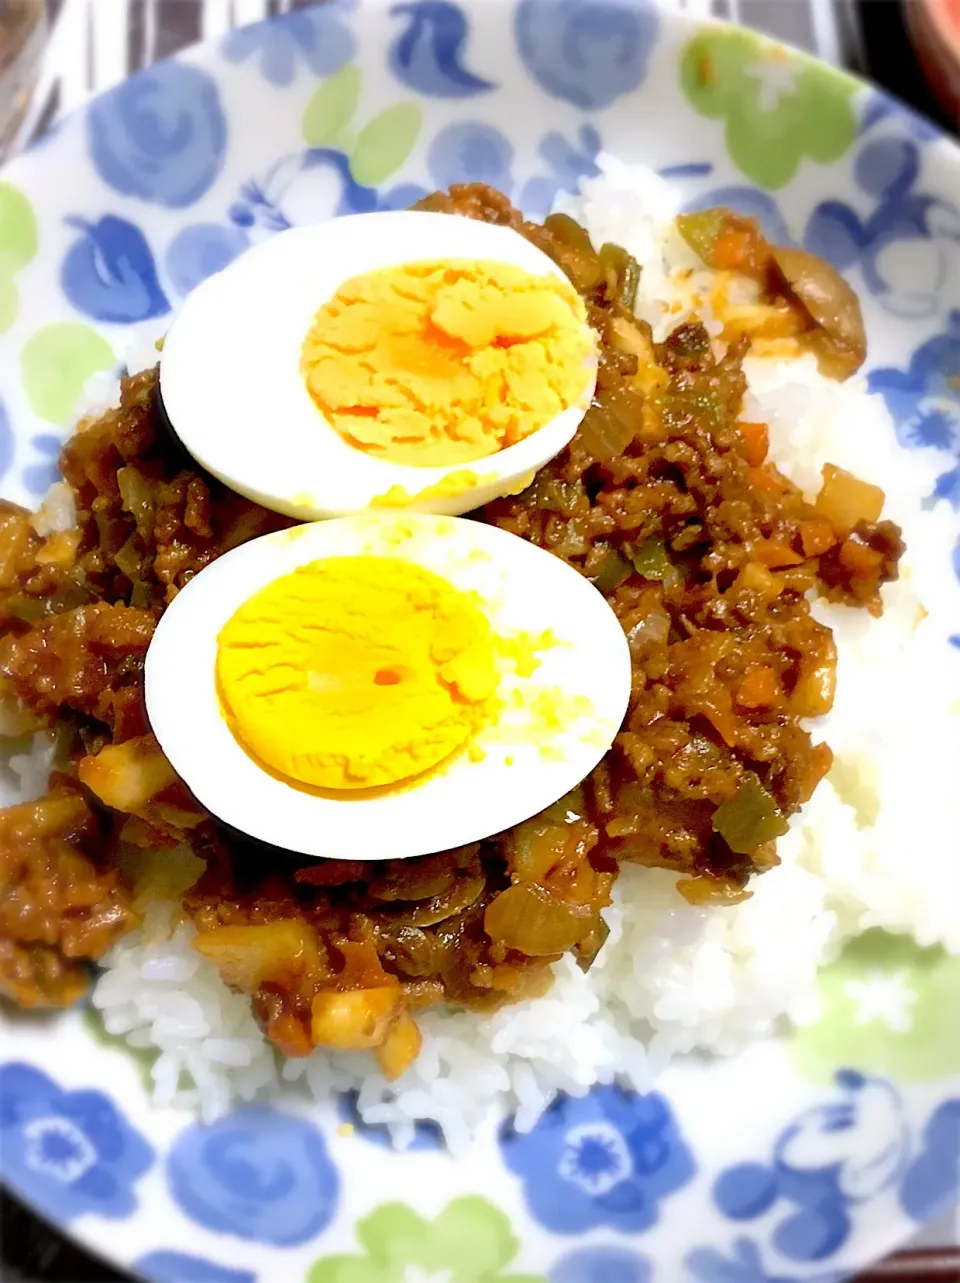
[[96, 43]]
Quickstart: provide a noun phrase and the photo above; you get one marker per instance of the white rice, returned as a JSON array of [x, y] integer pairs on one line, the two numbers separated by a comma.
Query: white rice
[[873, 848]]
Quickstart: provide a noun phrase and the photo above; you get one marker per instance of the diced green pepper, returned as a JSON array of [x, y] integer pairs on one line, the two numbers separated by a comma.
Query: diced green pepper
[[613, 570], [749, 818], [701, 230], [652, 560]]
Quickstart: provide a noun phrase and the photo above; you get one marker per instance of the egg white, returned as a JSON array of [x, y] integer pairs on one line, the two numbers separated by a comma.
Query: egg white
[[231, 385], [526, 765]]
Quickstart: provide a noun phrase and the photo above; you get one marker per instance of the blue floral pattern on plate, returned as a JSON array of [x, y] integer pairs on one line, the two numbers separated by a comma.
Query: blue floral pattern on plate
[[602, 1265], [199, 250], [316, 36], [588, 52], [606, 1158], [68, 1152], [161, 135], [177, 1267], [258, 1174], [904, 246], [826, 1162], [933, 1178], [428, 56], [743, 1263], [924, 401], [109, 273]]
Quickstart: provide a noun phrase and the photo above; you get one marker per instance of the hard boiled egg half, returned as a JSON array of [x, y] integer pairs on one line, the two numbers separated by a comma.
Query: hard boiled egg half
[[399, 360], [384, 685]]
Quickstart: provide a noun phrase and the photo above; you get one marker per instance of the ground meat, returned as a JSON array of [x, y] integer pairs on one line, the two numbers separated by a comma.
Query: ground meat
[[664, 499], [61, 904]]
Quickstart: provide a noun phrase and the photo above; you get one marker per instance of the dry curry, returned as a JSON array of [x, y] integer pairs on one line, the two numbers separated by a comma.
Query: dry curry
[[664, 499]]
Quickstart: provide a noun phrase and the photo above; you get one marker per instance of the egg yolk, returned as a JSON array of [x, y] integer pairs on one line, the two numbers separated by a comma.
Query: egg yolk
[[438, 363], [356, 672]]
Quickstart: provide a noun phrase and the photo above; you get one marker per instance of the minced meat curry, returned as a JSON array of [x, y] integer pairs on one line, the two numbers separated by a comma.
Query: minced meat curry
[[664, 499]]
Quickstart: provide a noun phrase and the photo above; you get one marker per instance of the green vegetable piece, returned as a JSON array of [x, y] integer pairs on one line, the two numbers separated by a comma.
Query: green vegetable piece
[[624, 266], [702, 230], [613, 570], [653, 561], [750, 818]]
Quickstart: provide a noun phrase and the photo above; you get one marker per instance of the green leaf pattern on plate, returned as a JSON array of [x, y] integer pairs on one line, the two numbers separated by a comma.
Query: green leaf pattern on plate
[[332, 108], [471, 1241], [18, 246], [55, 364], [378, 148], [884, 1009], [385, 143], [779, 106]]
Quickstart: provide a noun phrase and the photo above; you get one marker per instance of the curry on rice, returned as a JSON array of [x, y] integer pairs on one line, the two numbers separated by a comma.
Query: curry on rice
[[664, 499]]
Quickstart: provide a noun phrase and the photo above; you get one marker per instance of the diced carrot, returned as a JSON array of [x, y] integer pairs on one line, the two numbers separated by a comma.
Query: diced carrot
[[287, 1032], [821, 759], [731, 249], [759, 687], [859, 559], [756, 439], [816, 536], [768, 478], [775, 554], [845, 500]]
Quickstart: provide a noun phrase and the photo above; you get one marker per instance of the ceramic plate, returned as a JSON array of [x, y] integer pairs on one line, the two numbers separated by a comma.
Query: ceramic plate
[[801, 1159]]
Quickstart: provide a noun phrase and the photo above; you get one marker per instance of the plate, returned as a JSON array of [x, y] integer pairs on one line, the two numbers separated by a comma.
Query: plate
[[801, 1159]]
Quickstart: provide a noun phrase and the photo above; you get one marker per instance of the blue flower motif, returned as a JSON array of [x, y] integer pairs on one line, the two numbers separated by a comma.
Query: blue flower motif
[[602, 1159], [879, 107], [39, 477], [109, 273], [259, 1174], [905, 246], [161, 135], [316, 35], [296, 190], [200, 250], [67, 1152], [471, 151], [425, 1135], [745, 1265], [588, 52], [827, 1161], [568, 164], [427, 57], [751, 201], [924, 399], [6, 441], [933, 1178], [601, 1265], [402, 196], [176, 1267]]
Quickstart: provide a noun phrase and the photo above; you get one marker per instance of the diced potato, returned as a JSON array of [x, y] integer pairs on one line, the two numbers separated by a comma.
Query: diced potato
[[354, 1019], [127, 776], [400, 1048], [845, 500], [247, 957]]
